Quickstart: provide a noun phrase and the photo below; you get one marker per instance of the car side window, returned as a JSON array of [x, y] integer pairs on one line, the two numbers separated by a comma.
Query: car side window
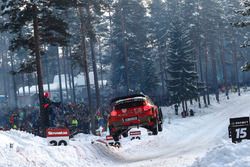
[[149, 100]]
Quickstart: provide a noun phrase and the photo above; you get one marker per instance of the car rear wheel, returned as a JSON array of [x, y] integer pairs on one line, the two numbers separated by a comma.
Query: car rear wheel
[[155, 128], [155, 131], [160, 127], [116, 138]]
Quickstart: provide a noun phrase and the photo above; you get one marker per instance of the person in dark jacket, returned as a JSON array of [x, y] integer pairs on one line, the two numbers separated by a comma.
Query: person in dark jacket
[[176, 109], [48, 108]]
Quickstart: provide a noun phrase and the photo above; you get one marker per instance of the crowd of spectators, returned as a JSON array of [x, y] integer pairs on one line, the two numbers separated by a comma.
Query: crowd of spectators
[[75, 117]]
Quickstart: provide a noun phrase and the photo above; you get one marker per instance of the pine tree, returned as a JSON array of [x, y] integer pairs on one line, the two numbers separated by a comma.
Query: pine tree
[[158, 35], [182, 80], [83, 20], [130, 48], [243, 12]]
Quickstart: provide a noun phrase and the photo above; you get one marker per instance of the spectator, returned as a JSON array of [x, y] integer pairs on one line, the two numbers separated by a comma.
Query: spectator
[[48, 107], [100, 120], [176, 109], [13, 120], [191, 112], [74, 123], [86, 124]]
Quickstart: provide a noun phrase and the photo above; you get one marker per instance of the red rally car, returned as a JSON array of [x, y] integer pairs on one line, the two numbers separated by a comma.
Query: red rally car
[[136, 110]]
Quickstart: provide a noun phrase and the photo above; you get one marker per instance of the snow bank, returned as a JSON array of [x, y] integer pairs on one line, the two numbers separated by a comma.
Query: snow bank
[[226, 155]]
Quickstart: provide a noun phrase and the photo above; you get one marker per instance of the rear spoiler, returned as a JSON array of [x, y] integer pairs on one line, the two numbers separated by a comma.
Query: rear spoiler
[[125, 97]]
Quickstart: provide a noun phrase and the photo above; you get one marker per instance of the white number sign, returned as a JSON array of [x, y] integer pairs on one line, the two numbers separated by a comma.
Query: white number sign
[[57, 136]]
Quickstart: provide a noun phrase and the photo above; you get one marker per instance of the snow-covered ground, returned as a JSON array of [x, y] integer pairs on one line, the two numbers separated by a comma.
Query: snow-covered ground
[[199, 141]]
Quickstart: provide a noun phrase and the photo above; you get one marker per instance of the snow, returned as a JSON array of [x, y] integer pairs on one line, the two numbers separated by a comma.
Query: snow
[[227, 155], [199, 141]]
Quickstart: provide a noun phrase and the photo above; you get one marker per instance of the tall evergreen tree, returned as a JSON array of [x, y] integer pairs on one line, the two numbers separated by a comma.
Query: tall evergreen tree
[[130, 48], [158, 35], [244, 22], [182, 81]]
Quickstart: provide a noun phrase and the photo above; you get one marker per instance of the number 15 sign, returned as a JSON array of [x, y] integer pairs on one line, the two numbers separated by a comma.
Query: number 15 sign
[[239, 129]]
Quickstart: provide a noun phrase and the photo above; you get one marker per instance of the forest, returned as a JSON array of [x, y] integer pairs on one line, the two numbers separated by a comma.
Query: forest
[[171, 50]]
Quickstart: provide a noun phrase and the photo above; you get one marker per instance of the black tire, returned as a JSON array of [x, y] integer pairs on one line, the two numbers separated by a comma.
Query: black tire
[[160, 114], [160, 127], [125, 134], [155, 131], [111, 143], [117, 144], [116, 138], [155, 128]]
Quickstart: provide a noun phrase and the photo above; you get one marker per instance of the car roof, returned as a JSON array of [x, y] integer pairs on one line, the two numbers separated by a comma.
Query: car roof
[[125, 98], [129, 100]]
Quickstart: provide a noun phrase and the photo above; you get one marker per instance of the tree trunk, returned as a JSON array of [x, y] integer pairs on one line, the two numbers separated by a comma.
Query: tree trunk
[[47, 71], [29, 83], [183, 106], [65, 73], [201, 75], [125, 51], [161, 74], [43, 116], [111, 43], [191, 102], [85, 66], [4, 62], [214, 74], [97, 90], [14, 81], [235, 66], [4, 76], [67, 53], [92, 47], [72, 81], [206, 72], [186, 107], [199, 101], [101, 64], [222, 57], [59, 77], [23, 83]]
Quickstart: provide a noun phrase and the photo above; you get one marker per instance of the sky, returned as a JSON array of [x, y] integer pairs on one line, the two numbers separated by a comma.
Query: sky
[[199, 141]]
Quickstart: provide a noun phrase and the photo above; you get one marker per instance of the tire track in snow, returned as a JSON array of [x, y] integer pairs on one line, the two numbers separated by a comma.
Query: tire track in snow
[[107, 152]]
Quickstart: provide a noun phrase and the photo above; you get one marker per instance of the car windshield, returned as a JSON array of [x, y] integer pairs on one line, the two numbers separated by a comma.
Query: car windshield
[[129, 103]]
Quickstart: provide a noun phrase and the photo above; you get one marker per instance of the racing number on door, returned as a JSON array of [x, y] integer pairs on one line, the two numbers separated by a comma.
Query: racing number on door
[[241, 133]]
